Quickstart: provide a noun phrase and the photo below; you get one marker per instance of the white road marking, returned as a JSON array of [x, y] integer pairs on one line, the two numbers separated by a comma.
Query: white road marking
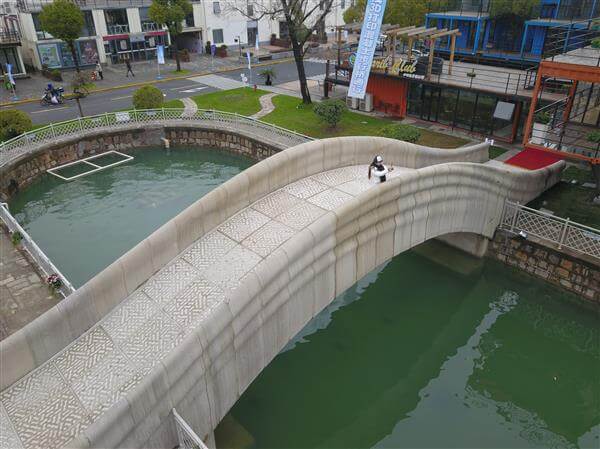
[[49, 110], [183, 87], [121, 98], [196, 89]]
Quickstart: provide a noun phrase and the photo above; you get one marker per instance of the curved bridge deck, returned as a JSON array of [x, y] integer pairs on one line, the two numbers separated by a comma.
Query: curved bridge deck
[[60, 399], [191, 315]]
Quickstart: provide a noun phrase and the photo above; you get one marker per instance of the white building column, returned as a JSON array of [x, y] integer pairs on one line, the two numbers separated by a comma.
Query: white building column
[[133, 17]]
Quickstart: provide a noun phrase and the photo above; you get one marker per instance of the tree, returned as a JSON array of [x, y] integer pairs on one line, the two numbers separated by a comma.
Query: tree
[[521, 9], [303, 18], [330, 111], [171, 13], [64, 21]]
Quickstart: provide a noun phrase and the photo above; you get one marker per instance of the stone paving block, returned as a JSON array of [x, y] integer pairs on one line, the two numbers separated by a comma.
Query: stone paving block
[[268, 238], [243, 224], [276, 203], [330, 199]]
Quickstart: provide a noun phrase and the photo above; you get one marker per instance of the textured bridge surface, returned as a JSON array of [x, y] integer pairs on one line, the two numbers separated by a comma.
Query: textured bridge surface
[[190, 316]]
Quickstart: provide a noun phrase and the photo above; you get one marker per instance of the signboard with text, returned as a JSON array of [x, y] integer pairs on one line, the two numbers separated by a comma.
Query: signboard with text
[[369, 36]]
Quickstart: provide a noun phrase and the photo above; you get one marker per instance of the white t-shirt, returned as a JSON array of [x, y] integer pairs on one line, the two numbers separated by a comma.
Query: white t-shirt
[[378, 174]]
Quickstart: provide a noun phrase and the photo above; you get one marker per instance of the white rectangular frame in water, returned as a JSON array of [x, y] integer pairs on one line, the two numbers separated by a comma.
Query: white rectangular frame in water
[[86, 161]]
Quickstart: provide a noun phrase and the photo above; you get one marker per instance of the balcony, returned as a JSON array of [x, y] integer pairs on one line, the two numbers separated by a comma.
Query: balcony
[[117, 29], [150, 26], [10, 37]]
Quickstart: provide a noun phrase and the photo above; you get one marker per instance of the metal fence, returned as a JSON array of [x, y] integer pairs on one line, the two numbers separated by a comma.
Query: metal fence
[[42, 261], [517, 218], [29, 142], [186, 436]]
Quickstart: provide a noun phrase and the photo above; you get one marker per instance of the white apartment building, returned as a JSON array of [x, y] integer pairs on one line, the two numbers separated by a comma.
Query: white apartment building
[[10, 40], [115, 30]]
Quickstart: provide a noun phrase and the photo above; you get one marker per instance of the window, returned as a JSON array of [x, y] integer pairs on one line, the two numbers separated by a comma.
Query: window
[[250, 10], [216, 8], [88, 25], [284, 30], [116, 21], [41, 34], [343, 4], [218, 36], [189, 20]]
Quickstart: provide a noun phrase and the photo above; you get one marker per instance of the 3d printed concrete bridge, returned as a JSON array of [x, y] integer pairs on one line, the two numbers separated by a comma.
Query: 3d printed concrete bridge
[[190, 316]]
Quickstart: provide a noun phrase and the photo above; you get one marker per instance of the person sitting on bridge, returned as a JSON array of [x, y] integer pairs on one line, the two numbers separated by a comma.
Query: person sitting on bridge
[[378, 170]]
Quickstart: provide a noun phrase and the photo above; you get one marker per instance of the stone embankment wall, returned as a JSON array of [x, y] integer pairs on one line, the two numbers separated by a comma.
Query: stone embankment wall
[[28, 168], [567, 270]]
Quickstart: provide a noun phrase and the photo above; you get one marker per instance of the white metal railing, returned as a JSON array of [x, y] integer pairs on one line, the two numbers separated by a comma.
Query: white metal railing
[[30, 141], [42, 261], [186, 436], [562, 232]]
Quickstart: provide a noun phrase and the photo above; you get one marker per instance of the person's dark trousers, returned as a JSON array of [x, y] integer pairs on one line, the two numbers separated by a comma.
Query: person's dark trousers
[[128, 72], [101, 75]]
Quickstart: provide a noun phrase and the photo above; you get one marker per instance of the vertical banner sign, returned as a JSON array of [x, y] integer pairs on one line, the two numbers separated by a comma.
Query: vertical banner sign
[[160, 54], [369, 35]]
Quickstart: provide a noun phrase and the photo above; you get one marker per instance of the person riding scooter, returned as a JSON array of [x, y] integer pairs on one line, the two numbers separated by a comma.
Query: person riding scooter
[[53, 95]]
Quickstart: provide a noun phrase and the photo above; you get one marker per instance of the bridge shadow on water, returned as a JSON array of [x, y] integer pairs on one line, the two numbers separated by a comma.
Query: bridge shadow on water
[[421, 354]]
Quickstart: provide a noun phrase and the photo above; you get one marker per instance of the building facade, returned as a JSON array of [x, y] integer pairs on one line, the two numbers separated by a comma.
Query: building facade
[[116, 30], [488, 34]]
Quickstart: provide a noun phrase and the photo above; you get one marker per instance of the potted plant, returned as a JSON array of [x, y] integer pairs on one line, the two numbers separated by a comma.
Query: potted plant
[[184, 55], [541, 126], [273, 39], [594, 137], [269, 75], [54, 282], [222, 51]]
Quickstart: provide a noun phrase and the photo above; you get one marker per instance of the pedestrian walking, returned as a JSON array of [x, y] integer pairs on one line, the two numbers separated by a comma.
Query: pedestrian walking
[[378, 170], [128, 64], [99, 70]]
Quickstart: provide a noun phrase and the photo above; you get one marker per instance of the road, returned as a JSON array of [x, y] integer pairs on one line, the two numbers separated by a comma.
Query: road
[[118, 99]]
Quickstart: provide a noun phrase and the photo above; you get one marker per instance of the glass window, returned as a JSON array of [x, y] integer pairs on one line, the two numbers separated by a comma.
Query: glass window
[[41, 34], [189, 20], [447, 106], [250, 10], [88, 25], [216, 8], [217, 36], [484, 113], [284, 31], [116, 21], [147, 23], [464, 110]]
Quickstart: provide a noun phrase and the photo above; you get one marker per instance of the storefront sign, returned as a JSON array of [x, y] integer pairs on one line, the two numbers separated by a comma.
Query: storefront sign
[[160, 54], [369, 36], [399, 68], [49, 55], [88, 52], [137, 37]]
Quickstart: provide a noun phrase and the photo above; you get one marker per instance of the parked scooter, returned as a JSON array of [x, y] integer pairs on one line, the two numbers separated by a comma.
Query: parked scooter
[[52, 96]]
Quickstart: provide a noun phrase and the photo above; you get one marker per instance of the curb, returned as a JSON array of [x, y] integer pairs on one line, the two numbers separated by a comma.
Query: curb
[[145, 83]]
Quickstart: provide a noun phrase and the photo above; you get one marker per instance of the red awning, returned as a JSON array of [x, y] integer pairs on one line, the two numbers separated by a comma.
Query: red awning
[[114, 37], [156, 33]]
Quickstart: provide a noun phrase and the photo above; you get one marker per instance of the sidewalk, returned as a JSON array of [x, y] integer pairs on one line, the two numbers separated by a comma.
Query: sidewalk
[[114, 75]]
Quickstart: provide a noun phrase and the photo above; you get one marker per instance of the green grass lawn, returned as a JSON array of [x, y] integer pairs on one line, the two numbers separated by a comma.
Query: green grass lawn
[[173, 104], [495, 151], [579, 173], [290, 113], [244, 100], [181, 72]]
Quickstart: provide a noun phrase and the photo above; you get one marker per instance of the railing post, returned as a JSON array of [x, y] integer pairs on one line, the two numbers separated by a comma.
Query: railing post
[[164, 117], [80, 125], [52, 130], [563, 233], [514, 217], [106, 117]]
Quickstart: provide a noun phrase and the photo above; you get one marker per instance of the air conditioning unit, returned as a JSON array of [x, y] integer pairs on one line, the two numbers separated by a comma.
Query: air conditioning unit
[[352, 102], [366, 104]]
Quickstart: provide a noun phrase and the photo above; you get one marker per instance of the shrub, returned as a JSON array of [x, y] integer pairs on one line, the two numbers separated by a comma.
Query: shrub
[[330, 111], [594, 137], [13, 122], [596, 43], [407, 133], [148, 97], [55, 75]]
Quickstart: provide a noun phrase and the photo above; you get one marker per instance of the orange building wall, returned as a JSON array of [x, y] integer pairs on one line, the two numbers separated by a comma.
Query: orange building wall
[[390, 94]]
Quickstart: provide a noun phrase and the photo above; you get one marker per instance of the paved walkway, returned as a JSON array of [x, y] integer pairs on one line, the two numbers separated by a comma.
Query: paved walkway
[[65, 395], [23, 293], [190, 107], [266, 105]]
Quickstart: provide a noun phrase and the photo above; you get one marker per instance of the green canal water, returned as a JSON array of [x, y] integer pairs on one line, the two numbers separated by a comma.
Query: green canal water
[[432, 350], [86, 224], [420, 355]]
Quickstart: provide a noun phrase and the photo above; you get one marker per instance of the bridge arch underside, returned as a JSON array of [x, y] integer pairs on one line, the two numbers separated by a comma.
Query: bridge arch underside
[[208, 370]]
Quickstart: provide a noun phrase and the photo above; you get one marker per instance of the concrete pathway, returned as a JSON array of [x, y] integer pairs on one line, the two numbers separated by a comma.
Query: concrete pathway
[[24, 295], [189, 107], [266, 105], [66, 394]]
